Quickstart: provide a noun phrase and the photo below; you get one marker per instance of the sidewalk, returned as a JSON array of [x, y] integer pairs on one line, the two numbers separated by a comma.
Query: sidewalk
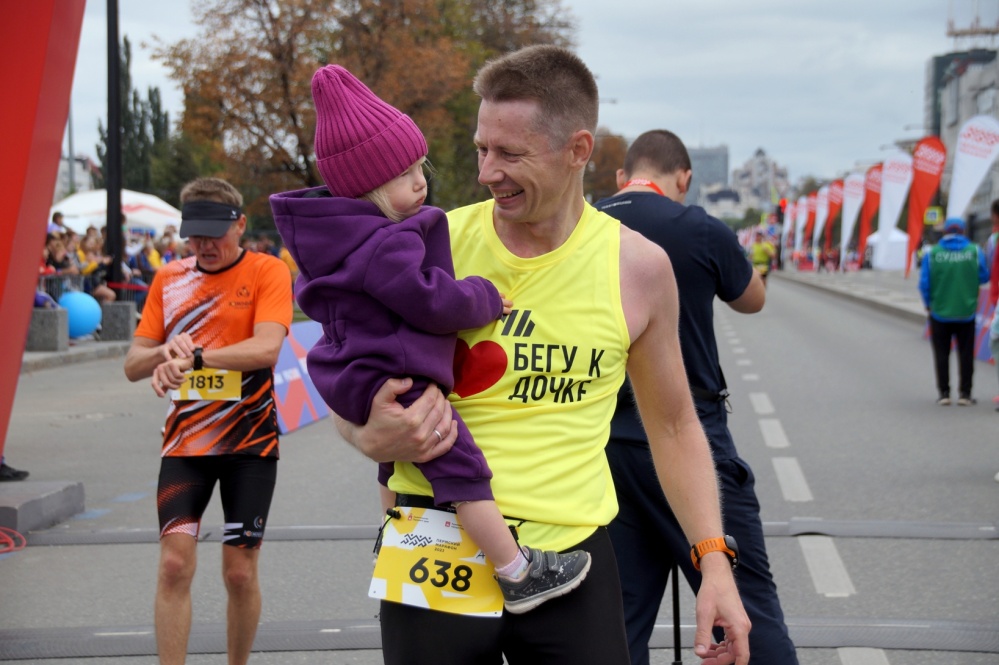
[[888, 291]]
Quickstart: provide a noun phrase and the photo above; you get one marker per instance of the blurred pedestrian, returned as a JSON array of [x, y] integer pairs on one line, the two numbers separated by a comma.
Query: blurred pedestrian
[[949, 282], [709, 263], [9, 473]]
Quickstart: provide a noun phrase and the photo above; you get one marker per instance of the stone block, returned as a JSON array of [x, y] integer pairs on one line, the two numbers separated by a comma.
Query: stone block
[[28, 505], [48, 330], [117, 320]]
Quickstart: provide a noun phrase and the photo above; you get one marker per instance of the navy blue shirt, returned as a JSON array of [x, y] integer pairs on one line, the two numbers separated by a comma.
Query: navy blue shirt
[[708, 261]]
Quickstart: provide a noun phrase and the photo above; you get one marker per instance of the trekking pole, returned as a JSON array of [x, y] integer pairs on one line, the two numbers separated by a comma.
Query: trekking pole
[[677, 660]]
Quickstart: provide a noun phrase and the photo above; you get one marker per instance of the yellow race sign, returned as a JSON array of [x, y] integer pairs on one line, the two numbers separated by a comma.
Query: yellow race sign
[[427, 560]]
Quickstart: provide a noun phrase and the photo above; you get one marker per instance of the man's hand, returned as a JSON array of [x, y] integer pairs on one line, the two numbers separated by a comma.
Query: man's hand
[[419, 433], [718, 604], [169, 375], [179, 346]]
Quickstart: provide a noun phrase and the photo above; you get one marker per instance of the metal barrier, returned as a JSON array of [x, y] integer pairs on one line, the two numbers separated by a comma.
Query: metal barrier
[[56, 285]]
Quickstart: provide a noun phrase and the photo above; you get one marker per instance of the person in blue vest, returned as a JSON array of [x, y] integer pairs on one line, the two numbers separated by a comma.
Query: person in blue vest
[[949, 280]]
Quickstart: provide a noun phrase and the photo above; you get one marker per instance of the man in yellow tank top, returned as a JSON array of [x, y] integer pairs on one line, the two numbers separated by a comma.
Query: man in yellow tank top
[[538, 388]]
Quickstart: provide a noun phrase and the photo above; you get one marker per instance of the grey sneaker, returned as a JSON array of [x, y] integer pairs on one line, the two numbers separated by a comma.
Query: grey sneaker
[[966, 400], [944, 400], [550, 575]]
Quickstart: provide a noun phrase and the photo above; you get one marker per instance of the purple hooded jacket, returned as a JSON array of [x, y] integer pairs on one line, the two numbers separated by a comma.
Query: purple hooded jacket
[[384, 292]]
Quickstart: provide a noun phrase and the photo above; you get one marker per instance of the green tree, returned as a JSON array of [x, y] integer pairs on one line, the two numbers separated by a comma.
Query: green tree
[[601, 172], [145, 129]]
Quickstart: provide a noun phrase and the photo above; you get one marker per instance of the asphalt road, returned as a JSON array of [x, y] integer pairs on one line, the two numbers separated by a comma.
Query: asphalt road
[[880, 508]]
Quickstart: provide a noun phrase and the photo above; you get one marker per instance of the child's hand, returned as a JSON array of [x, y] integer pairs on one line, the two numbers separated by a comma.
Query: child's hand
[[507, 304]]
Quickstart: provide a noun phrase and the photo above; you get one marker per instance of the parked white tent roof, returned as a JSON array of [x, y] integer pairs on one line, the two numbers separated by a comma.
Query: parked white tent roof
[[143, 212]]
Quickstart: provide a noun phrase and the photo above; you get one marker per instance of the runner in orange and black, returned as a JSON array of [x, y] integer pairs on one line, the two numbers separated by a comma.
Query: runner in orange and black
[[211, 331]]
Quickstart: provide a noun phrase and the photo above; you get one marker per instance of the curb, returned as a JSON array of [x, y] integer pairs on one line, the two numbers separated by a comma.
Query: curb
[[83, 352]]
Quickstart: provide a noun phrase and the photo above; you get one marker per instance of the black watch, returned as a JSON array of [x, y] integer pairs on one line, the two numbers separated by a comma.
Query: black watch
[[725, 544], [199, 362]]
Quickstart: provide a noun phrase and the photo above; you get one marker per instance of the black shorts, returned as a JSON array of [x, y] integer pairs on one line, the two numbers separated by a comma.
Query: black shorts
[[584, 627], [246, 485]]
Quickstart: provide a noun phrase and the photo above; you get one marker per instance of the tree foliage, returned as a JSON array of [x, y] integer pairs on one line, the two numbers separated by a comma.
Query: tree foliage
[[247, 78], [608, 157], [144, 128]]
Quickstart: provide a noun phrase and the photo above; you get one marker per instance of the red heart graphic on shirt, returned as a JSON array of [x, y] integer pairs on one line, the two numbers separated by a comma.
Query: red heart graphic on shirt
[[477, 368]]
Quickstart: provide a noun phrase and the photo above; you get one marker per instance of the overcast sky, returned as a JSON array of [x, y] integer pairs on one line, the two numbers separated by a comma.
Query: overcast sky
[[822, 87]]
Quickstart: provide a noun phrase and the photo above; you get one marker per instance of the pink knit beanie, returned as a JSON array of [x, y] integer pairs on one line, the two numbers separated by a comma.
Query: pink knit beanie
[[361, 142]]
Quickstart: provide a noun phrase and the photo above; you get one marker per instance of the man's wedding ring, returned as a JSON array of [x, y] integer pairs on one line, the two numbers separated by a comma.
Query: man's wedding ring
[[440, 438]]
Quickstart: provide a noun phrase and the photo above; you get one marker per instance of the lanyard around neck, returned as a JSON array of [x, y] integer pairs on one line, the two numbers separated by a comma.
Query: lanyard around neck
[[645, 182]]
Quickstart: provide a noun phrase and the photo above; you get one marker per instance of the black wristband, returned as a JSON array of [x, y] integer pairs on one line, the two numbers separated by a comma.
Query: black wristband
[[199, 363]]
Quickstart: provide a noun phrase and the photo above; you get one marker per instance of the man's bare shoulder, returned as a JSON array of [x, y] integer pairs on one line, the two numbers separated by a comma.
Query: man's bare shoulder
[[647, 283], [641, 258]]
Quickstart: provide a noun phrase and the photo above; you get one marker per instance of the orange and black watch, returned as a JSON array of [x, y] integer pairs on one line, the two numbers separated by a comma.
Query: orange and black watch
[[725, 544]]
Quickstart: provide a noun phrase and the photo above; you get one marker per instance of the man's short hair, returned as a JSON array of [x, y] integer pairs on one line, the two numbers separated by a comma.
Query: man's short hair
[[658, 150], [995, 207], [56, 216], [556, 78], [211, 189]]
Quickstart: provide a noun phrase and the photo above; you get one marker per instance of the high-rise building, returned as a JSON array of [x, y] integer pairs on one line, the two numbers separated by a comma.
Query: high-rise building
[[710, 166], [761, 182]]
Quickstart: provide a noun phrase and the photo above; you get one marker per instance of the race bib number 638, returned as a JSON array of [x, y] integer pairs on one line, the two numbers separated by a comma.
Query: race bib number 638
[[427, 560]]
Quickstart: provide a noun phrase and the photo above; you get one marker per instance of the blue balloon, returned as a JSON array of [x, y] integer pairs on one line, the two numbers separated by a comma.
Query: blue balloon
[[84, 312]]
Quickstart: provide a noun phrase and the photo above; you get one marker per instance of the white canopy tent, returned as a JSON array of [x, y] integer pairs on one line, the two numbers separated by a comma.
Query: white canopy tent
[[143, 212], [891, 255]]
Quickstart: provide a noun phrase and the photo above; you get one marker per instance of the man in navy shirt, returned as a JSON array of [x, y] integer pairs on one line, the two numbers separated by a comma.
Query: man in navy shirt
[[707, 261]]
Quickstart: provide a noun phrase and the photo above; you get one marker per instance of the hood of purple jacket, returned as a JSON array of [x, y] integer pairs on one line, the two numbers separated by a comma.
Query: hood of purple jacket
[[303, 218]]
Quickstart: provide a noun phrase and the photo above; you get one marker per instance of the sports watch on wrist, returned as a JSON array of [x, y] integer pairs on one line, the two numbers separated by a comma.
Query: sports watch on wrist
[[725, 544], [199, 362]]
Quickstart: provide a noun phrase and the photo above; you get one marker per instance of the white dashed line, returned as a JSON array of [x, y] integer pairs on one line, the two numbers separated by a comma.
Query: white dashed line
[[792, 481], [773, 433], [761, 404], [858, 656], [826, 567]]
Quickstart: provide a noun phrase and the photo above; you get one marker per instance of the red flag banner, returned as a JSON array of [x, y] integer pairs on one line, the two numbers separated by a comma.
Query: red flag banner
[[927, 167], [812, 203], [872, 201], [835, 203]]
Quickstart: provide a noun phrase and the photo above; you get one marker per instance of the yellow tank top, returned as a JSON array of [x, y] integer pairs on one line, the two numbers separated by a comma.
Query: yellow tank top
[[538, 388]]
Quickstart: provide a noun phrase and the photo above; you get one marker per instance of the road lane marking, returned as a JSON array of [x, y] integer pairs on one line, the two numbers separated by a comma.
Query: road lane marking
[[744, 362], [734, 340], [858, 656], [773, 433], [792, 481], [750, 377], [761, 404], [824, 563]]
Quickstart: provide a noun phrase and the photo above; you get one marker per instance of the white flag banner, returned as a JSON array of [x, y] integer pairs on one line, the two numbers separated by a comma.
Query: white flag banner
[[896, 177], [977, 147], [790, 218], [799, 223], [853, 199], [821, 213]]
